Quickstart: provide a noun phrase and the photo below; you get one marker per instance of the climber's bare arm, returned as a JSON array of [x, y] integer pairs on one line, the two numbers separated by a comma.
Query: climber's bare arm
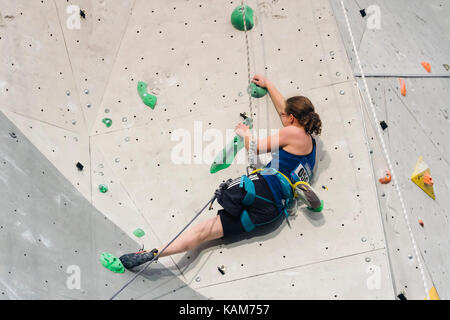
[[277, 98], [264, 145]]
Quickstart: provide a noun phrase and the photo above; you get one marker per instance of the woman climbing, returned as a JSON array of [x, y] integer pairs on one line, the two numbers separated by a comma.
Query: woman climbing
[[293, 150]]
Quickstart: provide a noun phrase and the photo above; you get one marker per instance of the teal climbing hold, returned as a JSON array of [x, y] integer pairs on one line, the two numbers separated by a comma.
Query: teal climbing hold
[[148, 99], [102, 188], [139, 232], [256, 91], [237, 18], [224, 159], [111, 262], [107, 122]]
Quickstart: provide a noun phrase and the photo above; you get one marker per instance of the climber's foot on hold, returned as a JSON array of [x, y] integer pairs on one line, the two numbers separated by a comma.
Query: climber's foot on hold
[[132, 260]]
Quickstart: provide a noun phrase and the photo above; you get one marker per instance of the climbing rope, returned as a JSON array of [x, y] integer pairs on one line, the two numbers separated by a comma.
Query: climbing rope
[[386, 155], [252, 157], [248, 57], [161, 252]]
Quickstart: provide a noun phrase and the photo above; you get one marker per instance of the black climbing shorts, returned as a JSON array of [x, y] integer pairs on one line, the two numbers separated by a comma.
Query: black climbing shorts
[[231, 201]]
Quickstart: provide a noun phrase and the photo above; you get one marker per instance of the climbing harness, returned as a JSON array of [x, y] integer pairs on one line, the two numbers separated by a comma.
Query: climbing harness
[[249, 187], [291, 192], [217, 193]]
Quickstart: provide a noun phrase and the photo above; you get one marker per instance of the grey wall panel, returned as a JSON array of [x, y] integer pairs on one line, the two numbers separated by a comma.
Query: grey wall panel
[[416, 127], [46, 226], [410, 32]]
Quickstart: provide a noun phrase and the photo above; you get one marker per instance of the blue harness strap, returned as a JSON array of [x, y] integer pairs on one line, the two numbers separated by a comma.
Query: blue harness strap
[[247, 223], [249, 187], [247, 184]]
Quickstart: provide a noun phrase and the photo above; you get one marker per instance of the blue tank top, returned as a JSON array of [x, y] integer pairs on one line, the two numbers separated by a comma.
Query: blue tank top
[[297, 168]]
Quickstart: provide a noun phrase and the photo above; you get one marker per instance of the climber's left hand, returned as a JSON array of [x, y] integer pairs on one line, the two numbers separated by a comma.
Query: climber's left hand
[[242, 130]]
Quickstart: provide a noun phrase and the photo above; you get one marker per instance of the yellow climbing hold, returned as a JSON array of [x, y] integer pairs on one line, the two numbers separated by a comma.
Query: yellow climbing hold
[[433, 294], [418, 175]]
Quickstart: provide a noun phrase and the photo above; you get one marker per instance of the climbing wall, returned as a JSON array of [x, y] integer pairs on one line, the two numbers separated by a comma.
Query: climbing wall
[[417, 125], [51, 237], [201, 86], [59, 82]]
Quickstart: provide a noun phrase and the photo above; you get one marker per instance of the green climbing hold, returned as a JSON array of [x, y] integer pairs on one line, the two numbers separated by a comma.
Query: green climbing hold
[[224, 159], [103, 188], [237, 18], [148, 99], [139, 232], [111, 262], [256, 91], [107, 122], [319, 209]]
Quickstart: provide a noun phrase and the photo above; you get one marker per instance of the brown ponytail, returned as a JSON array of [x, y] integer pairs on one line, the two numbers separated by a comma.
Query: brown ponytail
[[303, 110]]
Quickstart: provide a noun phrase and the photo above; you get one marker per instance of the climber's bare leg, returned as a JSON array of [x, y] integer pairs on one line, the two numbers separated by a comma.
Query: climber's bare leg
[[207, 230]]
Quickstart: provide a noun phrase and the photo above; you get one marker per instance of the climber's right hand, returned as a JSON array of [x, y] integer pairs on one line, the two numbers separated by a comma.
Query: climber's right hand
[[260, 80]]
